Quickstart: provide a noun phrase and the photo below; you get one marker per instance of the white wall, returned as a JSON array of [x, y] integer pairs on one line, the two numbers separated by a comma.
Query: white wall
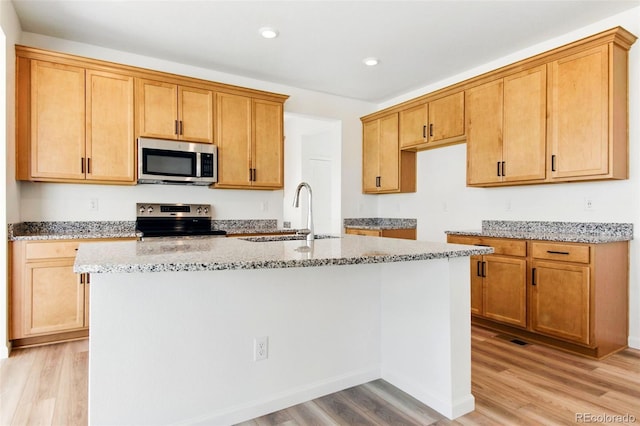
[[9, 213], [70, 202], [443, 202]]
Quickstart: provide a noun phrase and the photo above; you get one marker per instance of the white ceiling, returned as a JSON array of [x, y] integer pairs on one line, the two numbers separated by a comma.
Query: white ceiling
[[321, 43]]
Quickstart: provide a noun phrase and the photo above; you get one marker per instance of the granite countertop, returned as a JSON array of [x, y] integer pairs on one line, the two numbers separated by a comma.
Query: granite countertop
[[207, 253], [379, 223], [570, 232], [63, 230]]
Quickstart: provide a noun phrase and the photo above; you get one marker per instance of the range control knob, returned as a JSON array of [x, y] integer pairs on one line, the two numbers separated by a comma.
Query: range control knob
[[150, 209], [142, 209], [199, 210], [206, 210]]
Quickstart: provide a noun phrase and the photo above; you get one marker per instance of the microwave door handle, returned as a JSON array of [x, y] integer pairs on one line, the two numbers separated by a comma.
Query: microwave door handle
[[198, 165]]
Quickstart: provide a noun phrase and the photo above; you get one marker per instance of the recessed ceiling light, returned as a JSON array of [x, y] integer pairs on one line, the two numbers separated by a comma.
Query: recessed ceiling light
[[268, 32], [370, 62]]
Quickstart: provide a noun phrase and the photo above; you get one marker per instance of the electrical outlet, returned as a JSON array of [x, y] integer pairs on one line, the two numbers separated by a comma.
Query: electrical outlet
[[93, 205], [260, 348], [589, 204]]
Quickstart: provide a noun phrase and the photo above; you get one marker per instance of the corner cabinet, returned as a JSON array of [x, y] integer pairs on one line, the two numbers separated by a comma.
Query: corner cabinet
[[171, 111], [250, 139], [384, 167], [73, 124], [573, 296]]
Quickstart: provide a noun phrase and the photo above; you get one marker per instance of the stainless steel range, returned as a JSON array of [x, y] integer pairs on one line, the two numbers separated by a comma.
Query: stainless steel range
[[174, 220]]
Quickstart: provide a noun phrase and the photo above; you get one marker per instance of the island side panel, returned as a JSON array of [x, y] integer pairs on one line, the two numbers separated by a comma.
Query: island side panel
[[177, 347], [426, 332]]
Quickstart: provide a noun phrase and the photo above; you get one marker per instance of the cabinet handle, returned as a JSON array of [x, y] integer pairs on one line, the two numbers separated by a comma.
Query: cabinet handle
[[175, 127], [250, 174], [82, 165], [533, 276], [424, 131], [558, 252], [378, 181], [88, 165], [87, 279], [431, 130], [482, 245], [484, 269], [81, 279], [503, 170], [254, 175], [181, 129], [553, 163], [478, 268], [498, 166]]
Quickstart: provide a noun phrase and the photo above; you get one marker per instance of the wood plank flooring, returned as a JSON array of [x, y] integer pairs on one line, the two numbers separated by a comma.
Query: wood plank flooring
[[512, 384]]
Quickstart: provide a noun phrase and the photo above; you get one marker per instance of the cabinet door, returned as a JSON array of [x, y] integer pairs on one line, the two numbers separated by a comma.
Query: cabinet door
[[110, 140], [505, 290], [233, 137], [413, 126], [389, 154], [156, 109], [57, 121], [195, 114], [477, 269], [560, 300], [446, 118], [268, 145], [579, 114], [484, 133], [53, 298], [525, 118], [370, 156]]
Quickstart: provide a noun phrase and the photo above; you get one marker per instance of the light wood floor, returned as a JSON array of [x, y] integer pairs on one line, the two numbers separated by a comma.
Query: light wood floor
[[512, 384]]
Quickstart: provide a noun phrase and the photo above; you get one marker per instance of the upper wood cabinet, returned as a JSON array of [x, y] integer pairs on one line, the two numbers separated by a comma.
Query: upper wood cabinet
[[384, 167], [506, 136], [171, 111], [77, 120], [250, 139], [559, 116], [436, 123], [587, 115], [73, 124]]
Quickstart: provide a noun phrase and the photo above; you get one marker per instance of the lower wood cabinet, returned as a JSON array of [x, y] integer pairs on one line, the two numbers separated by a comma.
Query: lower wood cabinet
[[49, 302], [408, 234], [573, 296]]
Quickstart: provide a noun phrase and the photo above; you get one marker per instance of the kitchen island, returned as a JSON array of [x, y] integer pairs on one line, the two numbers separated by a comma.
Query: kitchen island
[[174, 323]]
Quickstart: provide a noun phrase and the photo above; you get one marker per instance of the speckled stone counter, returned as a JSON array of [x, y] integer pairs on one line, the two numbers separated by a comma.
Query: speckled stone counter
[[379, 223], [573, 232], [207, 254], [126, 229], [72, 230]]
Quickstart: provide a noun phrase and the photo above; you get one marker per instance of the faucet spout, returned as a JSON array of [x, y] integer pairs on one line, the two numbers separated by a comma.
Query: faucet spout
[[296, 203]]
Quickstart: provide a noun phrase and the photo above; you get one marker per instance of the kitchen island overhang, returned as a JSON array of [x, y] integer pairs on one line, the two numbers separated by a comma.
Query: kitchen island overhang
[[176, 346]]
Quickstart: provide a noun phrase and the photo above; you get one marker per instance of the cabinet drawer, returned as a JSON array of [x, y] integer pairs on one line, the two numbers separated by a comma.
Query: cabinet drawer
[[561, 251], [506, 246], [47, 250]]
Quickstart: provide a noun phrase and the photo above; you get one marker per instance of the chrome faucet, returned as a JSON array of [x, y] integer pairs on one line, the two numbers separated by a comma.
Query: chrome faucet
[[296, 203]]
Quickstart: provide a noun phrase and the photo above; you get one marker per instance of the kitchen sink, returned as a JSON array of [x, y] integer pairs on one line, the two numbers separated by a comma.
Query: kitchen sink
[[268, 238]]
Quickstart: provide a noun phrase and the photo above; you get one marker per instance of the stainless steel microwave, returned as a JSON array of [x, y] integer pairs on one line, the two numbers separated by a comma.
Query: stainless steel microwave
[[176, 162]]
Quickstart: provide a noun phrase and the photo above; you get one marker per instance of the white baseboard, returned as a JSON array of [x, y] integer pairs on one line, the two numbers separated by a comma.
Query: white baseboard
[[451, 410], [283, 400]]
